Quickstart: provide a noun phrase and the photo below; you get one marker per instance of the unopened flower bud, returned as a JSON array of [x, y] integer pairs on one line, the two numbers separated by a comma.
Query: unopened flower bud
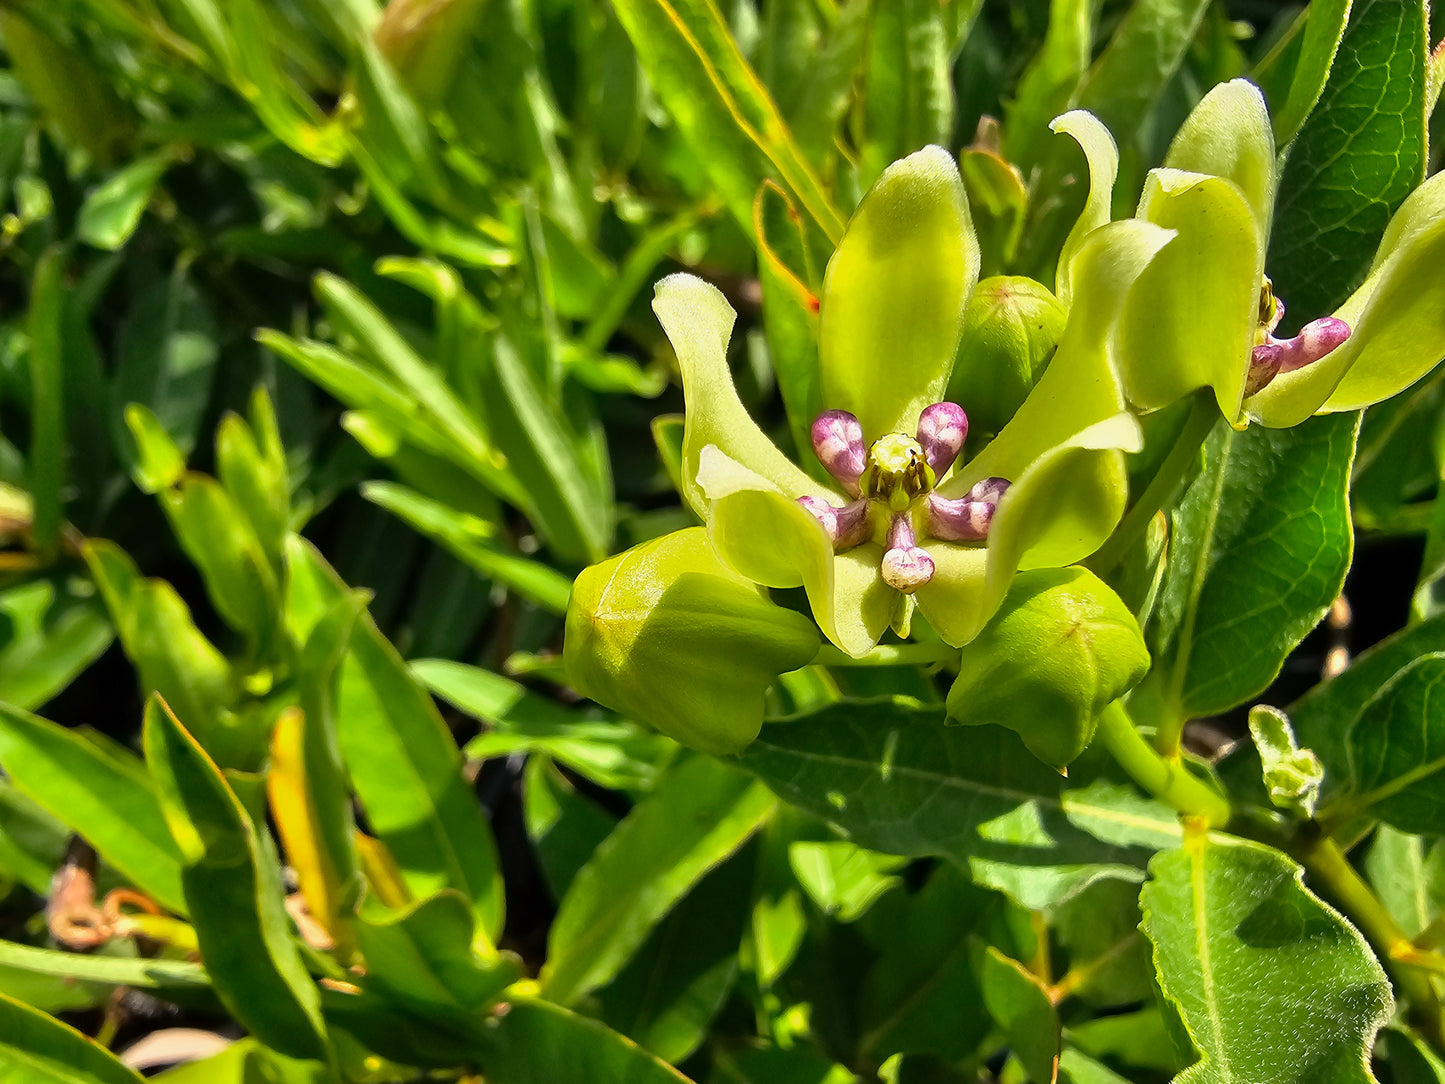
[[1009, 333]]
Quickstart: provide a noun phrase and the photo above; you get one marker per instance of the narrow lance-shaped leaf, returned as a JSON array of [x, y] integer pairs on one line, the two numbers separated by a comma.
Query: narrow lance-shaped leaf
[[39, 1049], [233, 887], [1273, 985]]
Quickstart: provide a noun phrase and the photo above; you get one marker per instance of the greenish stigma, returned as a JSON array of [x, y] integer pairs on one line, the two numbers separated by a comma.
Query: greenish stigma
[[898, 472]]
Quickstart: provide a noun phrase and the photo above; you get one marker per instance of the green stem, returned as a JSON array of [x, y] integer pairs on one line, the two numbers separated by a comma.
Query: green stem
[[889, 655], [1167, 780], [1328, 866], [1203, 413]]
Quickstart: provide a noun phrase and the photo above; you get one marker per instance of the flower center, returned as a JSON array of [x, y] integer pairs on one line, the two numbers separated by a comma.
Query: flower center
[[892, 483], [898, 472]]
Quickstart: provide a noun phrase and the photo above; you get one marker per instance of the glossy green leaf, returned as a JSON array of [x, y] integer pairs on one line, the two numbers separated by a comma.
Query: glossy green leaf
[[112, 209], [1272, 984], [40, 1049], [245, 1061], [717, 101], [668, 995], [908, 101], [45, 466], [403, 765], [517, 720], [1357, 156], [669, 635], [50, 637], [470, 539], [1262, 540], [842, 879], [423, 957], [1019, 1003], [536, 1041], [1408, 874], [869, 766], [98, 968], [1323, 29], [232, 884], [253, 472], [564, 825], [700, 813], [107, 800], [1047, 85], [159, 463], [894, 294], [174, 658]]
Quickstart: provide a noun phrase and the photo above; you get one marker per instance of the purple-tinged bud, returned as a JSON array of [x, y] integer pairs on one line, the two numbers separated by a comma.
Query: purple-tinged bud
[[846, 526], [966, 518], [838, 441], [905, 567], [942, 429], [1315, 340]]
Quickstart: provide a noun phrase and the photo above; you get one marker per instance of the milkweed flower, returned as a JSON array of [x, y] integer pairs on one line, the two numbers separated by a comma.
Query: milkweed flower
[[908, 520], [1204, 314]]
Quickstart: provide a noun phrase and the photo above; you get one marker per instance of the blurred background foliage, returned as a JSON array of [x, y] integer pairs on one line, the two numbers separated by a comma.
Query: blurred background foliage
[[326, 345]]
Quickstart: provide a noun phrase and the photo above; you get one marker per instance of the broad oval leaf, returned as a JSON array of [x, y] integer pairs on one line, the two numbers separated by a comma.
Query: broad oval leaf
[[1273, 985]]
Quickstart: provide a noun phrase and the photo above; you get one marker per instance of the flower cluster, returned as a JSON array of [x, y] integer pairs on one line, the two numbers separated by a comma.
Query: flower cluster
[[1155, 307]]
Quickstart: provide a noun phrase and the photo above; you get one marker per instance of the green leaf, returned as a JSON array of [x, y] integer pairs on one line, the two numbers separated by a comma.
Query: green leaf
[[423, 957], [1019, 1003], [150, 974], [1046, 88], [1272, 984], [233, 888], [668, 994], [245, 1062], [400, 757], [535, 1041], [39, 1049], [1408, 874], [564, 825], [1324, 27], [112, 209], [908, 102], [1014, 823], [722, 109], [1396, 750], [895, 289], [108, 801], [516, 720], [173, 657], [45, 464], [470, 539], [254, 474], [842, 879], [1261, 543], [700, 813], [50, 636], [1356, 158]]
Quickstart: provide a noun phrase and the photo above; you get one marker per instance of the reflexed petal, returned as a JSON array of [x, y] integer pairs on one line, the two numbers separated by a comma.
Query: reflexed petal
[[774, 541], [1056, 512], [669, 635], [1190, 321], [1397, 318], [1079, 388], [698, 321], [1103, 158], [1229, 135], [894, 294]]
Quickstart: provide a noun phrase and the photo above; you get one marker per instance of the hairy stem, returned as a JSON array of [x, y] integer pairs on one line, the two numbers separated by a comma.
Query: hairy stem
[[1168, 780]]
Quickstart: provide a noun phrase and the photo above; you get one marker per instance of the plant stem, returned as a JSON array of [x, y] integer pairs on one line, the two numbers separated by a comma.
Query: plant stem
[[1168, 780], [889, 655], [1203, 413], [1328, 866]]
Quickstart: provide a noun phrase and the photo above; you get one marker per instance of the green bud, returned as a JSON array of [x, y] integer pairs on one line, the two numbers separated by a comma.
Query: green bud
[[1291, 775], [1009, 333], [1060, 649], [670, 636]]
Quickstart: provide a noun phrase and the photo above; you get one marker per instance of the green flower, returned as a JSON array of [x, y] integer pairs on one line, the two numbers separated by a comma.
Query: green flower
[[907, 522], [1203, 314]]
